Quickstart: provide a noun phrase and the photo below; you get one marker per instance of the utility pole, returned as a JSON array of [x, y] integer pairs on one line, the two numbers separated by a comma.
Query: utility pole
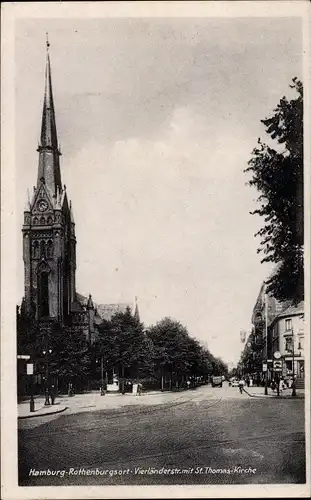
[[266, 332], [47, 353], [294, 382]]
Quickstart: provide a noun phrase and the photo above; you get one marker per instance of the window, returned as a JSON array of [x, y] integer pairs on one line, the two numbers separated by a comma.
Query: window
[[300, 343], [49, 249], [36, 250], [289, 366], [288, 344], [42, 249], [288, 324], [44, 294]]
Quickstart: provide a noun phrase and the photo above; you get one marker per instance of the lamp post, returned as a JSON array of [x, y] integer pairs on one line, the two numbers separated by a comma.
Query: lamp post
[[102, 388], [294, 382], [30, 370], [47, 398]]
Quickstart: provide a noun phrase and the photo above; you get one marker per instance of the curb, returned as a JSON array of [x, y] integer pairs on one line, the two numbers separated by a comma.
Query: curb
[[54, 412], [272, 396]]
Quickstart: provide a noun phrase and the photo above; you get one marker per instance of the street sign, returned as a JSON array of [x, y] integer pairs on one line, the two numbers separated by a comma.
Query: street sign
[[277, 355], [264, 367], [29, 368], [23, 356], [277, 365]]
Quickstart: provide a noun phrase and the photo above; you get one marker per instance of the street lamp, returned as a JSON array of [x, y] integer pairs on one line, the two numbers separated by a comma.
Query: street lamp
[[102, 389], [47, 398]]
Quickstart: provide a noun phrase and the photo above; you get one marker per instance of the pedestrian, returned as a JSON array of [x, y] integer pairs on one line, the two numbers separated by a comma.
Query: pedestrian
[[250, 382], [47, 396], [139, 389], [247, 381], [241, 385], [53, 393]]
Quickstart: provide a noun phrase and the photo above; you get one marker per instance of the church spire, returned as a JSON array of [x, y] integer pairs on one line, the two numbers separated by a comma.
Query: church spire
[[49, 169], [136, 313]]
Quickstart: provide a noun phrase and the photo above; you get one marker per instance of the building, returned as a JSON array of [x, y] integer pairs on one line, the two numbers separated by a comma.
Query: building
[[265, 310], [49, 240], [275, 325], [287, 337], [49, 248]]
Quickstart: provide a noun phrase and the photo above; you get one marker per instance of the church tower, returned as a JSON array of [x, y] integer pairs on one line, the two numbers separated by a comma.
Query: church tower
[[49, 242]]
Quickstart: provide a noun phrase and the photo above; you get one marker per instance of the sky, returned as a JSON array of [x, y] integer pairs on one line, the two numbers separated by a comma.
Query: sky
[[157, 119]]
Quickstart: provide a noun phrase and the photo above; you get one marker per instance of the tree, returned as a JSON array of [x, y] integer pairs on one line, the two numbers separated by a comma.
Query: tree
[[277, 173], [171, 343], [177, 355], [71, 358], [125, 346]]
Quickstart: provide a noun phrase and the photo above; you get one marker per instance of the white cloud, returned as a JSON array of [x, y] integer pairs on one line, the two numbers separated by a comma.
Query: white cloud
[[167, 220]]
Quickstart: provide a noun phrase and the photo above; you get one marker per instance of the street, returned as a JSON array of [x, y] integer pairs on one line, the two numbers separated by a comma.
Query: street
[[205, 436]]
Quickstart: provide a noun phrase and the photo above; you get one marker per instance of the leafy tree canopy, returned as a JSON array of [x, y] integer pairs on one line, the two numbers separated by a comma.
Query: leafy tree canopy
[[277, 173]]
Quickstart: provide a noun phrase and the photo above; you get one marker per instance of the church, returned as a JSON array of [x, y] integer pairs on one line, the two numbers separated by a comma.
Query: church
[[49, 243]]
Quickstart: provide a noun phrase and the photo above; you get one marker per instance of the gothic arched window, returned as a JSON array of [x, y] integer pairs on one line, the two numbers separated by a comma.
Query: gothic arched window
[[44, 294], [42, 249], [50, 220], [42, 220], [35, 250], [49, 249], [36, 220]]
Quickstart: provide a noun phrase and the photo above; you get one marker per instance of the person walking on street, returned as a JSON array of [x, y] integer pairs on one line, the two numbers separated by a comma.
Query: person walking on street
[[53, 393], [241, 385]]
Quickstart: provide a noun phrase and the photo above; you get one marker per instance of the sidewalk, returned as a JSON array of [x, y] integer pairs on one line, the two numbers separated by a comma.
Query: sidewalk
[[40, 409], [94, 401], [259, 392]]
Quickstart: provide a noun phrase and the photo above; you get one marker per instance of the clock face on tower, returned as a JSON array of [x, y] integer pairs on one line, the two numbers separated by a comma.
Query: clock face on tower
[[42, 205]]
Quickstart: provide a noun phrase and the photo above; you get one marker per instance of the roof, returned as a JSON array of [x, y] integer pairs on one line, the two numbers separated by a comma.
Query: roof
[[292, 310], [81, 299], [106, 311]]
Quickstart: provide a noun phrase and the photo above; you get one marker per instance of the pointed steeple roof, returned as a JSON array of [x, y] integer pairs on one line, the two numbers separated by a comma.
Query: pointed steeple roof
[[48, 126], [136, 313], [49, 169]]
